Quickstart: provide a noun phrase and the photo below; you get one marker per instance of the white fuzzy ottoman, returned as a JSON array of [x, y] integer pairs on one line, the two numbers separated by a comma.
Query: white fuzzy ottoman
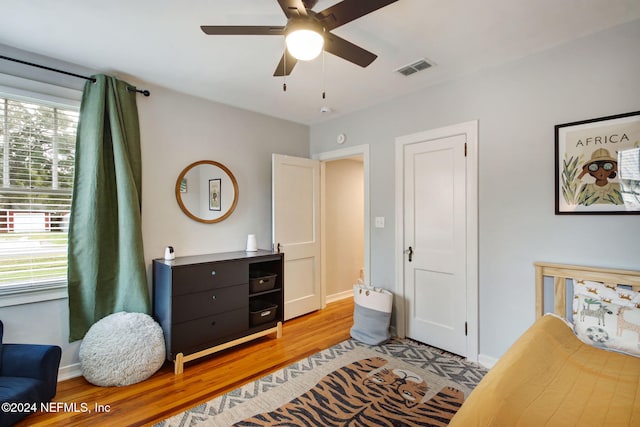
[[122, 349]]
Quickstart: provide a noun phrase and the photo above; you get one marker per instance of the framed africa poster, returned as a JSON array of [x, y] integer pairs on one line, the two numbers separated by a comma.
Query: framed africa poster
[[598, 165]]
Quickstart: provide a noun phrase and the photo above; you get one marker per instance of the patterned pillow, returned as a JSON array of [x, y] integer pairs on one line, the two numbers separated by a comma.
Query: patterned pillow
[[608, 325], [617, 294]]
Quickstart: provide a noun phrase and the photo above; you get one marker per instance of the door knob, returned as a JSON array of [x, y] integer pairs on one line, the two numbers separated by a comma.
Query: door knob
[[410, 252]]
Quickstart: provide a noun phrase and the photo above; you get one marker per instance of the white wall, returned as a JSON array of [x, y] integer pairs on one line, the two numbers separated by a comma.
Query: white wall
[[176, 130], [344, 189], [517, 106]]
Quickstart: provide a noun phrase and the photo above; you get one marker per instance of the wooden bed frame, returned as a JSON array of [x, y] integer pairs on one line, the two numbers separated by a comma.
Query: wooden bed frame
[[561, 273], [551, 377]]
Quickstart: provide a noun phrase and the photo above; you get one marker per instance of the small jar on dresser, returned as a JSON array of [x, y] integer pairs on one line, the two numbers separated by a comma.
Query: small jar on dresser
[[208, 303]]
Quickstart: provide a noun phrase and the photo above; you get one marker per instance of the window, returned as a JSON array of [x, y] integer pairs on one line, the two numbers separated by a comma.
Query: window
[[37, 150]]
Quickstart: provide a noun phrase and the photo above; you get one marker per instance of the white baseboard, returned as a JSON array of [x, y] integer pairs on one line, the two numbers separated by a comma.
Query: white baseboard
[[340, 295], [487, 361], [69, 371]]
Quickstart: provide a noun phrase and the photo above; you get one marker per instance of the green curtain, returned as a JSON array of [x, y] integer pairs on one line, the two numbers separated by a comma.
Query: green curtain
[[106, 272]]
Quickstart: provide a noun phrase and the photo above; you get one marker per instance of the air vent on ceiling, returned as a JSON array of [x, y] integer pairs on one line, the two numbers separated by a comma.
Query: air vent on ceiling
[[420, 65]]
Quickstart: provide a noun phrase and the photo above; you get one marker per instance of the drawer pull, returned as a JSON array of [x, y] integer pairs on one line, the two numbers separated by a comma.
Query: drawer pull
[[265, 313], [213, 297], [213, 273], [213, 323]]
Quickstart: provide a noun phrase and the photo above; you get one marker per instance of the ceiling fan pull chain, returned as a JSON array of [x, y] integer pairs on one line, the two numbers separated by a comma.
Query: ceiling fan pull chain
[[284, 65], [324, 77]]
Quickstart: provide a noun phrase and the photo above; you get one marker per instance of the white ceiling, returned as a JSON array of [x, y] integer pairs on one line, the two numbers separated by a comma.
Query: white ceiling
[[160, 42]]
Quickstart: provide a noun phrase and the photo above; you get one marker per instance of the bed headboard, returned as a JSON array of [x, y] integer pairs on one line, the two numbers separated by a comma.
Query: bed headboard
[[562, 272]]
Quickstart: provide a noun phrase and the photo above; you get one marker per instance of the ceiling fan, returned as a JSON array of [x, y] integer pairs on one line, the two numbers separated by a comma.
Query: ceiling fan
[[308, 32]]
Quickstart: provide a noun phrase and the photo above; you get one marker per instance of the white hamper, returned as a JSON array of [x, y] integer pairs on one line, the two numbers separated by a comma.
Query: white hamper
[[371, 314]]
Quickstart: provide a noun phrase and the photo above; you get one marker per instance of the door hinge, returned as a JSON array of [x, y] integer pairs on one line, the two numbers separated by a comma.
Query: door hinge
[[466, 329], [465, 149]]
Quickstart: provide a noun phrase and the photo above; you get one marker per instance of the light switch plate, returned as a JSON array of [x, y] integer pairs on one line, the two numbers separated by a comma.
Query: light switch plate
[[379, 222]]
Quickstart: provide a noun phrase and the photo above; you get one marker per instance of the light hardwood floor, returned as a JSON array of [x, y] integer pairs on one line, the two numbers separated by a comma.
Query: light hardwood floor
[[164, 394]]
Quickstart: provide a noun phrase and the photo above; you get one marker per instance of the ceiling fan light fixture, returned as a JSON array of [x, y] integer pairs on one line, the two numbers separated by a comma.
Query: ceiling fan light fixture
[[304, 40]]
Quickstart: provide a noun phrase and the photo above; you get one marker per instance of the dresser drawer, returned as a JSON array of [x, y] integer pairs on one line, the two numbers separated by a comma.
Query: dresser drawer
[[203, 304], [207, 276], [189, 337]]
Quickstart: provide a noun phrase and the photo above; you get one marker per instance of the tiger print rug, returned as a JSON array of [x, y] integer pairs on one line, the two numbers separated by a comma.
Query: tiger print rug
[[399, 383]]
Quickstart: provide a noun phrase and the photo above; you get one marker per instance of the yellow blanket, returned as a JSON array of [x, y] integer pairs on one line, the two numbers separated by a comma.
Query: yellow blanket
[[550, 378]]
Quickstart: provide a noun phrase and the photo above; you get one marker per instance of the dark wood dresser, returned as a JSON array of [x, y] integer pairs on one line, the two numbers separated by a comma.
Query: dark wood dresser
[[208, 303]]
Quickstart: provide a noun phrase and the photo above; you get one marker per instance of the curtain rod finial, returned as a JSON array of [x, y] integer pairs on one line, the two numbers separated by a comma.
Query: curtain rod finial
[[135, 89]]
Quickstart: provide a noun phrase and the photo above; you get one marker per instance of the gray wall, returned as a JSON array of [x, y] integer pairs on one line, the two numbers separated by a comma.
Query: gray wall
[[517, 106], [179, 129]]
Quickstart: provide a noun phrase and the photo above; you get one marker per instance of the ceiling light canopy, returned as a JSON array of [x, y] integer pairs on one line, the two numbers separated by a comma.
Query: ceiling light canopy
[[304, 39]]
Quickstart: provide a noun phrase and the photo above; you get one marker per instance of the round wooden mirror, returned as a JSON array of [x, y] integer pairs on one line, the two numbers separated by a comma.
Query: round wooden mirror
[[207, 191]]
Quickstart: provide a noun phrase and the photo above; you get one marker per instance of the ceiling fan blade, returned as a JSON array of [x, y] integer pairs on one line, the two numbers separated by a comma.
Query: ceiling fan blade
[[241, 30], [290, 62], [347, 11], [347, 50], [293, 8]]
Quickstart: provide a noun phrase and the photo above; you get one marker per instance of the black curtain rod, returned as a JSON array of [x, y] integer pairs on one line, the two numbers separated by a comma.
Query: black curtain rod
[[55, 70]]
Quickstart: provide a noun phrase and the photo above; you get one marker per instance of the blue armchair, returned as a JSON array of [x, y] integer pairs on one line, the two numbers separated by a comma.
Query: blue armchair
[[28, 376]]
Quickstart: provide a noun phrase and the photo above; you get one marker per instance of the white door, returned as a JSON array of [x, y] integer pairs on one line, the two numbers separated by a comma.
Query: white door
[[296, 219], [435, 240]]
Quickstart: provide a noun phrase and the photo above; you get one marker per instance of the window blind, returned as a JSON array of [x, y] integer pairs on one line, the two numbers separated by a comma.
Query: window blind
[[37, 150]]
